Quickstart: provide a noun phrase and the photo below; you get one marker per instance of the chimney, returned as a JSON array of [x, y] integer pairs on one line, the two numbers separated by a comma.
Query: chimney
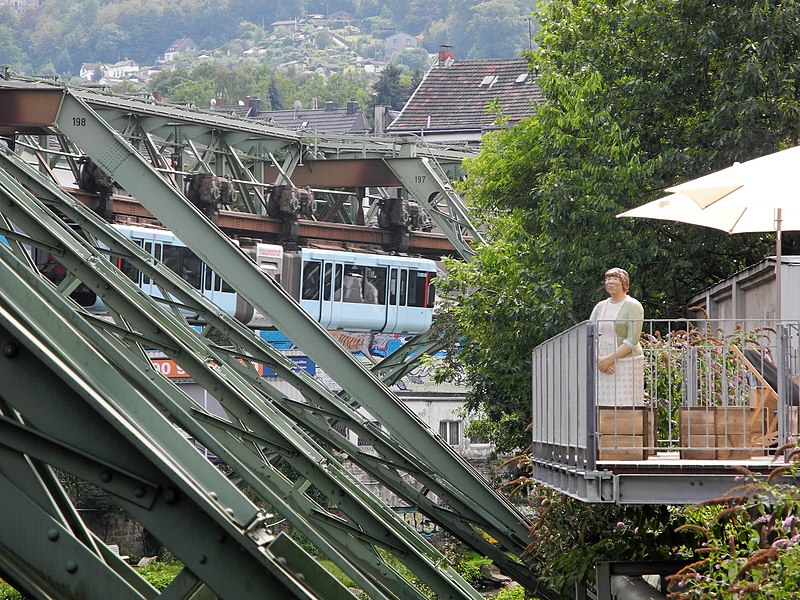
[[330, 105], [219, 102], [255, 106], [157, 96], [352, 107], [446, 56]]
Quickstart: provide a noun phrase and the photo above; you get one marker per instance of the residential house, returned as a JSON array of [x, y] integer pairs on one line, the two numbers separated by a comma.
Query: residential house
[[451, 104], [122, 69], [22, 4], [177, 47], [92, 72], [340, 18], [293, 65], [397, 42], [291, 25]]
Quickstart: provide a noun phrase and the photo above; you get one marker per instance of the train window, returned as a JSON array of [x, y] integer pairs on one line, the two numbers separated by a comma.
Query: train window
[[326, 282], [338, 284], [354, 285], [185, 263], [130, 271], [393, 288], [226, 287], [311, 272], [403, 286], [418, 289], [148, 247], [341, 429], [375, 285]]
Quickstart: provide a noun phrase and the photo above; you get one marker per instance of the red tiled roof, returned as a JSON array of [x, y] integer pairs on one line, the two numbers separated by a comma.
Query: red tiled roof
[[454, 96]]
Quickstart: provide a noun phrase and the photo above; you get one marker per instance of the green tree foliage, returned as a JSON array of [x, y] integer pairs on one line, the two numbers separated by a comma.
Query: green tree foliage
[[746, 542], [67, 33], [638, 98], [10, 52], [412, 59], [392, 88]]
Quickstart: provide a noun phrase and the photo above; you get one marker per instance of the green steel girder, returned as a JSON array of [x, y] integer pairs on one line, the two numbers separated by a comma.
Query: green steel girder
[[460, 485], [114, 155], [310, 390], [311, 461], [425, 179], [61, 386], [406, 358], [385, 446], [257, 144]]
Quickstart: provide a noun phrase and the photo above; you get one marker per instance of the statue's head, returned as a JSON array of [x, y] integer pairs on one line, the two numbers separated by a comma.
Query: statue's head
[[622, 275]]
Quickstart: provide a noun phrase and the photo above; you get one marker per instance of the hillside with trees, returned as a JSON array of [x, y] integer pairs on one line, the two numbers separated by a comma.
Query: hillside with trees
[[61, 35]]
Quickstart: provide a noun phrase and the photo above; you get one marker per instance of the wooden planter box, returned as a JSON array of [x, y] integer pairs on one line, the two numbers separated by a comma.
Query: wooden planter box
[[716, 433], [624, 433]]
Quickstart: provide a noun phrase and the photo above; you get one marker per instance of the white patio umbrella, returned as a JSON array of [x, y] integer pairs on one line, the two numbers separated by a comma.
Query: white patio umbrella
[[759, 195]]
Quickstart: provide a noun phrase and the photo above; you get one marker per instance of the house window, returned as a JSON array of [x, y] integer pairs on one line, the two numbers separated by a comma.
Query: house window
[[450, 432]]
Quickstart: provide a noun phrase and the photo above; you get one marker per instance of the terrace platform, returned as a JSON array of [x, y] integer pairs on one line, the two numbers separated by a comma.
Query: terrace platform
[[707, 413]]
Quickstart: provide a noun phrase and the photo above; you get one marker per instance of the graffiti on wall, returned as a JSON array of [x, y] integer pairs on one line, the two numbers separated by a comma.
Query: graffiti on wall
[[422, 524]]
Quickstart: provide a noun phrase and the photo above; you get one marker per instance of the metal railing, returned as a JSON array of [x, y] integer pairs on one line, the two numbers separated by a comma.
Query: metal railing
[[703, 390]]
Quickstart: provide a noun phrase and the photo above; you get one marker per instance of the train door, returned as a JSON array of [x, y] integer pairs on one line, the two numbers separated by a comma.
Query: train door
[[154, 249], [217, 290], [321, 289], [392, 306], [332, 289]]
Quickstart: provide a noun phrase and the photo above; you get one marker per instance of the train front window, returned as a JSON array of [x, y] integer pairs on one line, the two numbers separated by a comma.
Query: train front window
[[129, 270], [420, 292], [311, 271]]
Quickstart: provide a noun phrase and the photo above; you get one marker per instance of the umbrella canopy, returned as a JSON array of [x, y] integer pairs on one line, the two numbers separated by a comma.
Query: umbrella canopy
[[760, 195], [771, 181], [729, 219]]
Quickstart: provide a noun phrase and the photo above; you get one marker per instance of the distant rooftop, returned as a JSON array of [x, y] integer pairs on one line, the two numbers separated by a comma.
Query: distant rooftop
[[454, 95], [329, 119]]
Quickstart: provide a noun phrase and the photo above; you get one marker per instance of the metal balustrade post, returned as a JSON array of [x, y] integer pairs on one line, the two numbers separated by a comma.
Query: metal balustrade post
[[591, 388]]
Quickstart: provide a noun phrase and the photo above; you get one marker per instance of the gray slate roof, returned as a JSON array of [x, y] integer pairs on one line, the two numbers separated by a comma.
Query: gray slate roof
[[454, 95], [327, 120]]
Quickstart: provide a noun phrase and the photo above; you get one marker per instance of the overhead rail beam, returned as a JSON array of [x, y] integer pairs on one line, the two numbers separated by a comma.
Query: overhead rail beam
[[226, 145]]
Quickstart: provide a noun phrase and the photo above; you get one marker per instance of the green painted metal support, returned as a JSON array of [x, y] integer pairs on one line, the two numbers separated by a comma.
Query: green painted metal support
[[261, 419], [266, 430], [425, 179], [62, 387], [406, 358], [115, 156]]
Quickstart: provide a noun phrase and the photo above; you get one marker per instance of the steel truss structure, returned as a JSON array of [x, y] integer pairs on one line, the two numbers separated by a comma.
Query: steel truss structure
[[81, 396]]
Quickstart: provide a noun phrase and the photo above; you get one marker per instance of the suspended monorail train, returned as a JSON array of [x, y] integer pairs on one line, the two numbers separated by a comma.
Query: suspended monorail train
[[350, 291]]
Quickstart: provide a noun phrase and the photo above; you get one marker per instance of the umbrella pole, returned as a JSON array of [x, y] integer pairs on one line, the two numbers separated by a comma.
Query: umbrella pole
[[778, 262]]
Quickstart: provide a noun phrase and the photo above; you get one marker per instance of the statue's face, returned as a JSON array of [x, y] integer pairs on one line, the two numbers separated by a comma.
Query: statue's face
[[613, 285]]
